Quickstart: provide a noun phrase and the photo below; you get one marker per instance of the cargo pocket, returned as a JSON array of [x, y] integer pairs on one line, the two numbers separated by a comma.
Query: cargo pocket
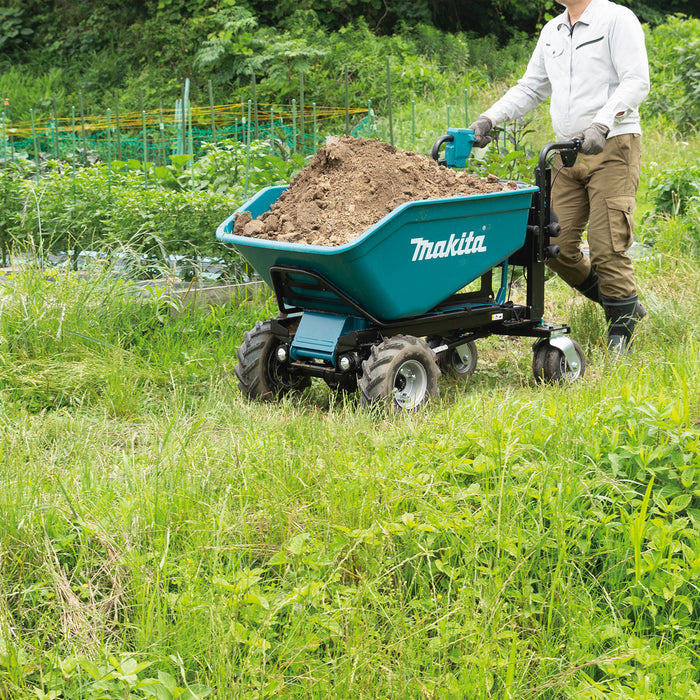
[[621, 219]]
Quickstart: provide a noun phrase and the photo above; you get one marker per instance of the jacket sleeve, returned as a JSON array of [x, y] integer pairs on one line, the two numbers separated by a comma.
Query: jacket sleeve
[[629, 58], [532, 89]]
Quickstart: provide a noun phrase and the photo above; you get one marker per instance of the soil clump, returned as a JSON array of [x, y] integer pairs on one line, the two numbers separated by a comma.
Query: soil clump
[[350, 184]]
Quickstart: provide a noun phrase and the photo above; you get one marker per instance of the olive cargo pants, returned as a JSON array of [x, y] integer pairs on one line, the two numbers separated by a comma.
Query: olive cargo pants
[[598, 191]]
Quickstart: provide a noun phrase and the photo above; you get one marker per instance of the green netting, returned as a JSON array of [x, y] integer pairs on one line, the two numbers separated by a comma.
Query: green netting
[[158, 139]]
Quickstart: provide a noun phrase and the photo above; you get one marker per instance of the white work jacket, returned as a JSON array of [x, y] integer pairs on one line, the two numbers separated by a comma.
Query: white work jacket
[[595, 71]]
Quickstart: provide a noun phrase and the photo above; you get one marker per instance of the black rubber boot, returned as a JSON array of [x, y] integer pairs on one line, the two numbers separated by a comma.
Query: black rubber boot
[[590, 288], [621, 315]]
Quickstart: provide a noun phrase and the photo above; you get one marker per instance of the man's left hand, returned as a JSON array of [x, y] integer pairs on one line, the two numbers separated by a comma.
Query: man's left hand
[[593, 139]]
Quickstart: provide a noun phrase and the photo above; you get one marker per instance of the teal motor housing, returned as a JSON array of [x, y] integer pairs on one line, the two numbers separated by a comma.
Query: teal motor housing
[[458, 147]]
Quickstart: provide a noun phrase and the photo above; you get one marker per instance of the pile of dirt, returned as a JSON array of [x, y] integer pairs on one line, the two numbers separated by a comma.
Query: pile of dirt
[[349, 185]]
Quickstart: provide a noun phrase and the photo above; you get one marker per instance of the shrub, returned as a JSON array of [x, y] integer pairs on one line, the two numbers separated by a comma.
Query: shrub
[[673, 49], [674, 189]]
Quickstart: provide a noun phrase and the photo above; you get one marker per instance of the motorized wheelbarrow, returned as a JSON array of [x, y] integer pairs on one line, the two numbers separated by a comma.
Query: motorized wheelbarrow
[[407, 299]]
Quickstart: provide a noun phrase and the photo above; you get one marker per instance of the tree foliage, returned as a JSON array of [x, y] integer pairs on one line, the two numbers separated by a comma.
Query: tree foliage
[[145, 49], [72, 27]]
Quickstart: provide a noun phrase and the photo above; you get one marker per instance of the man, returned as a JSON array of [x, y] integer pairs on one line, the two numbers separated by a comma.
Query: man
[[591, 60]]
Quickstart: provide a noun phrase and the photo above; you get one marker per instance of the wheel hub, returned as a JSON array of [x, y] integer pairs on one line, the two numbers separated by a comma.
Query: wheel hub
[[410, 384]]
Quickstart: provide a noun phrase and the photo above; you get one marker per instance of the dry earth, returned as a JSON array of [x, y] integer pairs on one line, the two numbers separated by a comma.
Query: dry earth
[[349, 185]]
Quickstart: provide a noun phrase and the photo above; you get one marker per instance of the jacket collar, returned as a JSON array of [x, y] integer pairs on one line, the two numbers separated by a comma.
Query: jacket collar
[[585, 18]]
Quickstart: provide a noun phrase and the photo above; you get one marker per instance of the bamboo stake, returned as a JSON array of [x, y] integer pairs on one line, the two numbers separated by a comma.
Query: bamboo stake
[[247, 155], [211, 109], [55, 128], [82, 122], [255, 109], [73, 148], [301, 111], [161, 126], [36, 147], [191, 144], [109, 152], [413, 124], [145, 149], [116, 115], [347, 102], [388, 95]]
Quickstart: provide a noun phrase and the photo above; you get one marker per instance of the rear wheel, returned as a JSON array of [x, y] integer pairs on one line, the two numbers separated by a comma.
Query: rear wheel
[[260, 372], [400, 373], [549, 364]]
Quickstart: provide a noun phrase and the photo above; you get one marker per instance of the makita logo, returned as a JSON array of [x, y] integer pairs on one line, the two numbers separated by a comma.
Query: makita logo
[[466, 245]]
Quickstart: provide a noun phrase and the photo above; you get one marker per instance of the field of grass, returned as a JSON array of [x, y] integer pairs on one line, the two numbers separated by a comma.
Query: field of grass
[[163, 537], [512, 540]]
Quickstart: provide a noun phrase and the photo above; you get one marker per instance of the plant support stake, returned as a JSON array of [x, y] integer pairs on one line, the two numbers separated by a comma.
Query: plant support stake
[[211, 110], [109, 153], [413, 123], [55, 128], [116, 116], [73, 148], [190, 143], [388, 96], [36, 146], [255, 108], [145, 150], [247, 154], [4, 147], [347, 102], [161, 126], [301, 111], [82, 127], [185, 110]]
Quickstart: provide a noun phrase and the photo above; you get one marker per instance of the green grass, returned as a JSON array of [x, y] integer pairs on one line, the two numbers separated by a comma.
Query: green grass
[[163, 537], [498, 544]]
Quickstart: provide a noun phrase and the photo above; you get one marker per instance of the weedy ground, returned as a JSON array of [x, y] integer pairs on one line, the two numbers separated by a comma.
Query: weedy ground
[[512, 540], [163, 537]]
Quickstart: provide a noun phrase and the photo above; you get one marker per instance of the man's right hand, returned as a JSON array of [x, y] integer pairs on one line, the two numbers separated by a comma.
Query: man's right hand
[[482, 128]]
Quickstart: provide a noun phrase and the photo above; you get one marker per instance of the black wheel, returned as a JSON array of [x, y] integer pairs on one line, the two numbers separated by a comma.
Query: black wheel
[[461, 361], [549, 364], [260, 372], [400, 372]]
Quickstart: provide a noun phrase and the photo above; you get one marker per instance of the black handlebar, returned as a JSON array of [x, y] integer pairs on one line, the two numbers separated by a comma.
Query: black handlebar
[[567, 150], [435, 152]]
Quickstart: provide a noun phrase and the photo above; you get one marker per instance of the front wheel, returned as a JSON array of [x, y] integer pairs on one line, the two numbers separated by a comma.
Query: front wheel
[[550, 365], [400, 372], [260, 372]]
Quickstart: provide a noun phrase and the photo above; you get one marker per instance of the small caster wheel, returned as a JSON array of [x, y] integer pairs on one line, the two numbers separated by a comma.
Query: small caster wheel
[[459, 362], [550, 364]]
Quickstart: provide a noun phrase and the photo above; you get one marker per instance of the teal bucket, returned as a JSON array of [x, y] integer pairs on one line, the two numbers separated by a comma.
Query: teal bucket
[[410, 261]]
